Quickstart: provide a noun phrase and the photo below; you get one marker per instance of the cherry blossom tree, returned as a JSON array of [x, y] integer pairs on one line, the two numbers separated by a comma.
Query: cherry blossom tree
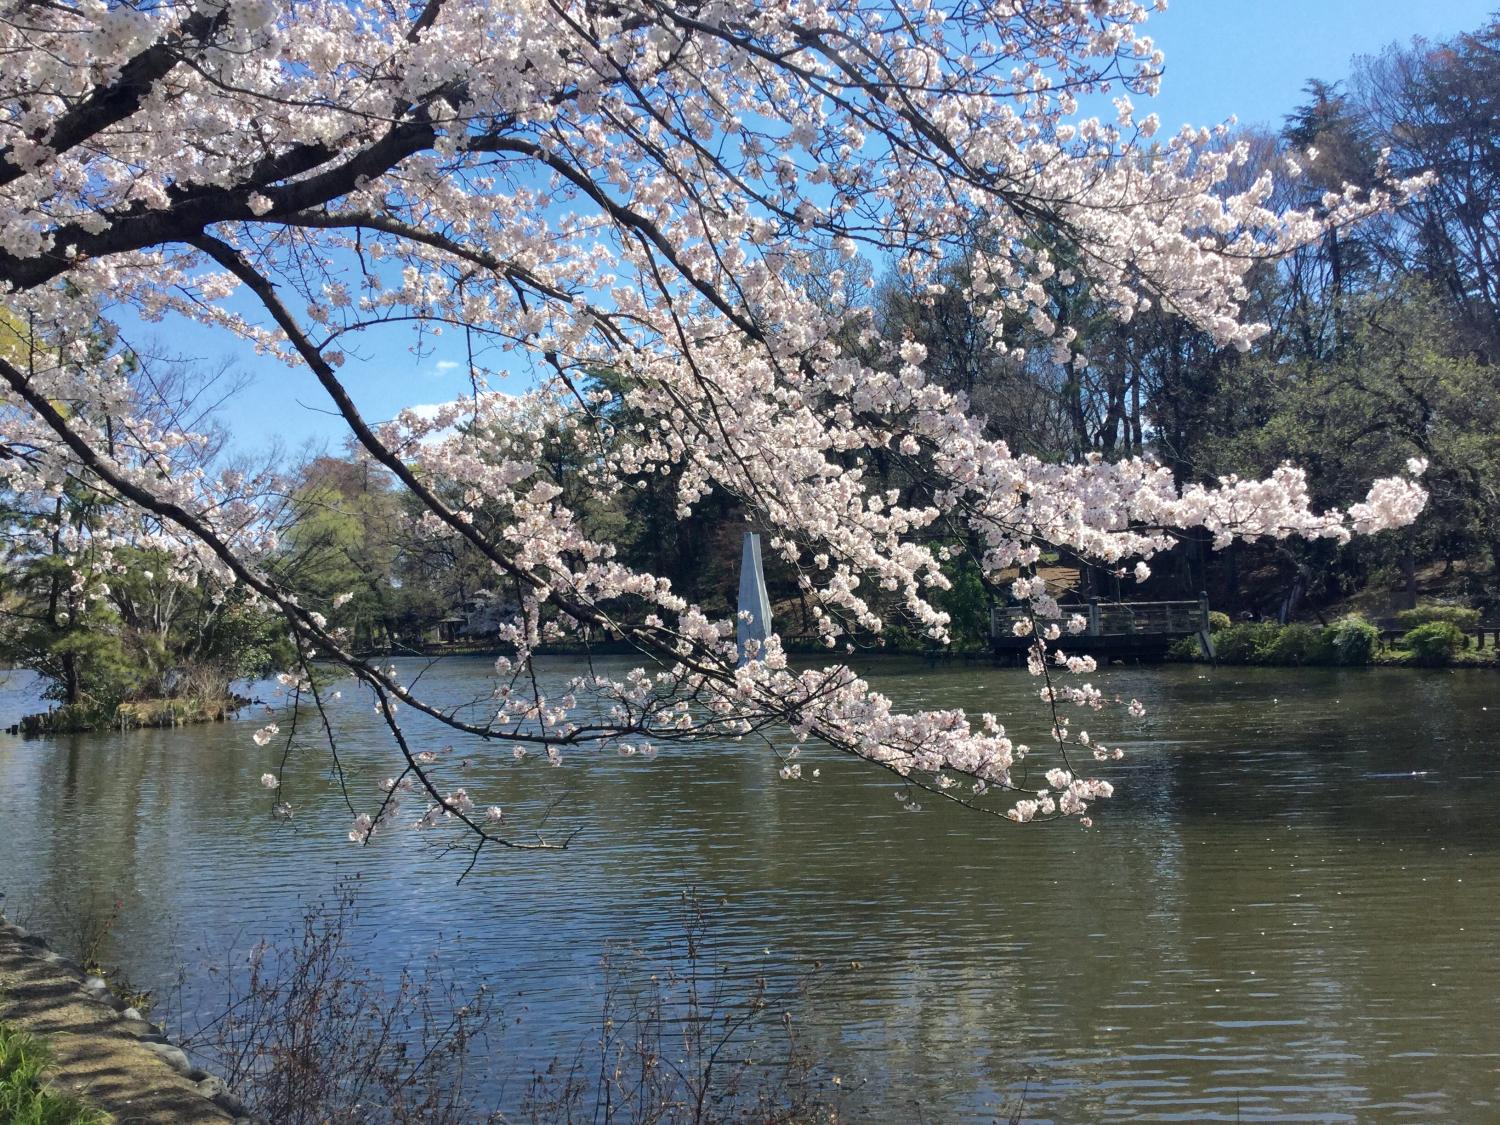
[[644, 188]]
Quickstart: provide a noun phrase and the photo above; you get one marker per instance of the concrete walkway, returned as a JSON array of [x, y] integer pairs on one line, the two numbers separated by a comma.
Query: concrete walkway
[[116, 1062]]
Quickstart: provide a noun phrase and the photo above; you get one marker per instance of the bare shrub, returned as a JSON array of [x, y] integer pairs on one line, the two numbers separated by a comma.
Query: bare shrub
[[683, 1039], [306, 1033], [78, 928], [81, 929], [309, 1035]]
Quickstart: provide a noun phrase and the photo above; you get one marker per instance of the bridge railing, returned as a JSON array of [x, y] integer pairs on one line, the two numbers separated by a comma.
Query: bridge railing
[[1116, 619]]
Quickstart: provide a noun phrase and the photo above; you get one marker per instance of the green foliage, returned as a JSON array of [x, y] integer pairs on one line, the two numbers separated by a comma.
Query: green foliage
[[345, 543], [1434, 643], [1218, 621], [1184, 649], [85, 658], [25, 1097], [1353, 640], [1460, 616], [1244, 643], [967, 603], [244, 640], [1350, 640], [109, 625], [1298, 644], [16, 342]]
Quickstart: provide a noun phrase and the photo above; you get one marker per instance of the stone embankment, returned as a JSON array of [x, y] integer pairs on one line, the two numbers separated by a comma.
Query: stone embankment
[[103, 1052]]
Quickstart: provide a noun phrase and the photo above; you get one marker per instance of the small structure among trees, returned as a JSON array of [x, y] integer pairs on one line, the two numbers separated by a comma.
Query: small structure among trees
[[1112, 630]]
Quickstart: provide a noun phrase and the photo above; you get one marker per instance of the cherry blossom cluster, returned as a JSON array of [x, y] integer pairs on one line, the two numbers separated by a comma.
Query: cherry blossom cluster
[[641, 189]]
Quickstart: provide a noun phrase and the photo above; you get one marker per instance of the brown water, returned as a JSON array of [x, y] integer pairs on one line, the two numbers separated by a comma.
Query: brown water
[[1288, 911]]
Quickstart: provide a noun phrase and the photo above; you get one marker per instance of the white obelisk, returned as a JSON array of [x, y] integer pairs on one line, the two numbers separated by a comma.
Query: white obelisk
[[753, 601]]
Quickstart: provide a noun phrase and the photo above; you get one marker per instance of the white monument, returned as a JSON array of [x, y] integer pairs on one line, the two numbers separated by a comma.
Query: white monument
[[753, 601]]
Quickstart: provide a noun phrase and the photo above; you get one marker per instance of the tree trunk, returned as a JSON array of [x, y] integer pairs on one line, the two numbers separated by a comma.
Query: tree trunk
[[72, 684]]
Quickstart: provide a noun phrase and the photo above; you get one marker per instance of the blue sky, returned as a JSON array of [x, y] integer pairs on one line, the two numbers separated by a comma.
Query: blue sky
[[1250, 58], [1247, 58]]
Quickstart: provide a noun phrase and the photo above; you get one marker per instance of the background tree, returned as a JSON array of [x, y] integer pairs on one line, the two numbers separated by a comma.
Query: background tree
[[341, 546], [1434, 105]]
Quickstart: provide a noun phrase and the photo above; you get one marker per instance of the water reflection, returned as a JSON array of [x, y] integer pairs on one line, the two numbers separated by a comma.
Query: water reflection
[[1287, 912]]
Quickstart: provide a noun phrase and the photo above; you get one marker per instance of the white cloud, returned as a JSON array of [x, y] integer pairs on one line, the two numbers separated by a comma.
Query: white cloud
[[448, 365]]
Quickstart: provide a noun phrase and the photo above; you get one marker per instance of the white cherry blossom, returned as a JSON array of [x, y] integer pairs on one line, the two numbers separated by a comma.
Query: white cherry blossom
[[636, 187]]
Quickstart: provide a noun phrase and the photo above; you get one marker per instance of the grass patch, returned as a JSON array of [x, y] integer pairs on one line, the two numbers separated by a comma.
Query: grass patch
[[1464, 658], [25, 1098]]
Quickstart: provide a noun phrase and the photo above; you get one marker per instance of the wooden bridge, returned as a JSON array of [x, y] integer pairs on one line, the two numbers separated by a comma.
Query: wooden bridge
[[1116, 630]]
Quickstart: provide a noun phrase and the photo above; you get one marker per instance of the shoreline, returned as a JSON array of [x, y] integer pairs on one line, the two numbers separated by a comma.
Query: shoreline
[[1388, 658], [103, 1052]]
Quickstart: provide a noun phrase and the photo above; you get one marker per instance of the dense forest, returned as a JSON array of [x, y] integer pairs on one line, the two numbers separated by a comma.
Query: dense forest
[[1379, 347]]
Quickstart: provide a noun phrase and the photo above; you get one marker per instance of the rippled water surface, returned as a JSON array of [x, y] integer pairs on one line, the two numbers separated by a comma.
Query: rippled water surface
[[1289, 911]]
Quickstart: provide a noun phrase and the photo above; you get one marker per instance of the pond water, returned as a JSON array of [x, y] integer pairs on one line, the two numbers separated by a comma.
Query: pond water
[[1289, 911]]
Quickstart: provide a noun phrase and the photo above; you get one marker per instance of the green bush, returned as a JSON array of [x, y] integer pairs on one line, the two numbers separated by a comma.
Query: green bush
[[1218, 621], [1434, 643], [1184, 648], [1352, 640], [1244, 644], [1297, 644], [1459, 616]]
